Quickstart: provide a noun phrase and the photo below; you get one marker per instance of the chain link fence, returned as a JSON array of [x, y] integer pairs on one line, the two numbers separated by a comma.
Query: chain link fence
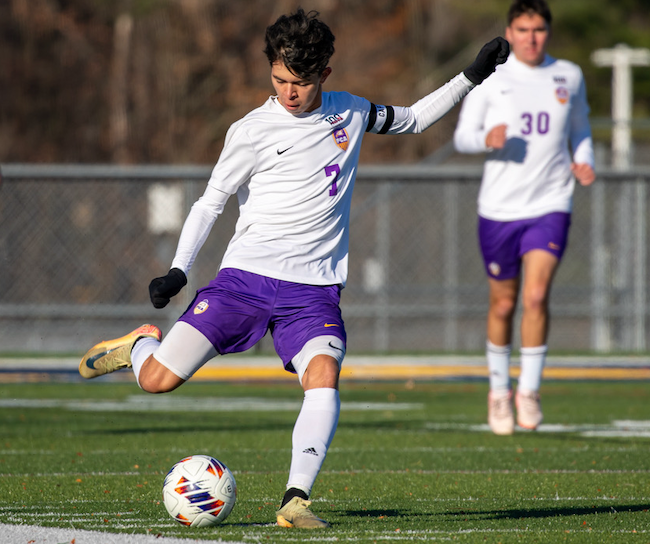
[[79, 245]]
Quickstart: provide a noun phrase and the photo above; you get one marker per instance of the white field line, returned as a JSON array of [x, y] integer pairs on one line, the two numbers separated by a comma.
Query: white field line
[[42, 511], [334, 472], [14, 534], [419, 449], [617, 428], [151, 403], [32, 534]]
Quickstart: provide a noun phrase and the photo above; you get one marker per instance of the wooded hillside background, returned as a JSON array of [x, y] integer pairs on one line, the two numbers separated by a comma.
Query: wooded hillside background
[[160, 81]]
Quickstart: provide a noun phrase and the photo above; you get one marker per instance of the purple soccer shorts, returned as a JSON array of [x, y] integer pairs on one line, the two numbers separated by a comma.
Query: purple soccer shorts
[[504, 243], [235, 310]]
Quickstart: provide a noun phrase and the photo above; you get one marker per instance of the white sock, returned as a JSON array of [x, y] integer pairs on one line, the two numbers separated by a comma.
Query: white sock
[[312, 435], [140, 353], [498, 360], [532, 366]]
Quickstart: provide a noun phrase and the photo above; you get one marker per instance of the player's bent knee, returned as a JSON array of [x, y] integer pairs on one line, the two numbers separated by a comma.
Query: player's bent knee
[[318, 363], [322, 372], [157, 387], [156, 378]]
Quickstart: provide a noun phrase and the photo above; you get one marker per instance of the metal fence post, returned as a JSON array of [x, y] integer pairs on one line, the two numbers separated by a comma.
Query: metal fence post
[[601, 338], [382, 240], [640, 268], [451, 265]]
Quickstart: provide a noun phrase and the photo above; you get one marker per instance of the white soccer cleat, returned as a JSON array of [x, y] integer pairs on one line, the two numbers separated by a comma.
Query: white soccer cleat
[[501, 418], [529, 409]]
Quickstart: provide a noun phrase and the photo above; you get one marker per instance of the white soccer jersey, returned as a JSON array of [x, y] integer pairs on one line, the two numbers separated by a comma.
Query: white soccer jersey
[[545, 110], [293, 176]]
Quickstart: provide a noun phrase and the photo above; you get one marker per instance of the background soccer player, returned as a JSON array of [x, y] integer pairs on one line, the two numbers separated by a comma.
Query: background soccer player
[[526, 116], [292, 164]]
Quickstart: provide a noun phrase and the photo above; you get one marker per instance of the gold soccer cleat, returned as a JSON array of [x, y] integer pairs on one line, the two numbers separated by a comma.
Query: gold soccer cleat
[[111, 355], [296, 513]]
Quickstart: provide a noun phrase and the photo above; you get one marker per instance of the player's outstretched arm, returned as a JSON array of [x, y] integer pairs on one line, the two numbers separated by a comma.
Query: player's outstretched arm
[[429, 109], [162, 289], [491, 54]]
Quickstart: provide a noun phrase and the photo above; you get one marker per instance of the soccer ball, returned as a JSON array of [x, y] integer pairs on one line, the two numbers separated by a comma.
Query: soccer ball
[[199, 491]]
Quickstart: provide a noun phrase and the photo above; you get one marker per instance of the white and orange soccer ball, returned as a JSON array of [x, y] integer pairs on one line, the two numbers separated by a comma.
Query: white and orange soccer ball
[[199, 491]]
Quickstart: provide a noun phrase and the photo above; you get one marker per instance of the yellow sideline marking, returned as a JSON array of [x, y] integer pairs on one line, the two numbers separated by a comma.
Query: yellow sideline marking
[[567, 373], [401, 372], [29, 371]]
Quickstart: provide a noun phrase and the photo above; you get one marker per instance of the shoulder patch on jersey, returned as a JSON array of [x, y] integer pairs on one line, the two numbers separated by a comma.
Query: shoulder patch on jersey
[[341, 138]]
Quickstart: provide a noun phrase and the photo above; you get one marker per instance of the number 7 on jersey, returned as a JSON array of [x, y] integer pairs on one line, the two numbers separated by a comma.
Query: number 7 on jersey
[[333, 170]]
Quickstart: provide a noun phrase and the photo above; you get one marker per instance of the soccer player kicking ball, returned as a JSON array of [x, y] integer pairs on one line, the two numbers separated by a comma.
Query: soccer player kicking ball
[[525, 116], [292, 164]]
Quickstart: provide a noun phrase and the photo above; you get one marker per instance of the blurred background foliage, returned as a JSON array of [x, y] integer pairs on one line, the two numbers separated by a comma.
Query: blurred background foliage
[[160, 81]]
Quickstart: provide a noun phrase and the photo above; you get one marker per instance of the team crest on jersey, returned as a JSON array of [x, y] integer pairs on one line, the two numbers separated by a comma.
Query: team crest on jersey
[[201, 307], [494, 268], [341, 138], [562, 95]]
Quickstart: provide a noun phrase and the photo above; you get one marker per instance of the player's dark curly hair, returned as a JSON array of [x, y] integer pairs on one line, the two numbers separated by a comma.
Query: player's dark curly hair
[[529, 7], [302, 42]]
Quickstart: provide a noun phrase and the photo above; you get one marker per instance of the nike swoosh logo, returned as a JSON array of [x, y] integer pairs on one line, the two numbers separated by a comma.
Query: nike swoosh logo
[[335, 347], [330, 325], [283, 151], [90, 362]]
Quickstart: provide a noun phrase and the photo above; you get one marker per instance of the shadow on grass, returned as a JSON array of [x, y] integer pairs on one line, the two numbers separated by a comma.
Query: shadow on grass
[[520, 513], [374, 513], [514, 514], [185, 429]]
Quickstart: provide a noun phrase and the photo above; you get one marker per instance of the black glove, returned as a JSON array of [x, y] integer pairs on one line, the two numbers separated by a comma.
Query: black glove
[[491, 54], [164, 288]]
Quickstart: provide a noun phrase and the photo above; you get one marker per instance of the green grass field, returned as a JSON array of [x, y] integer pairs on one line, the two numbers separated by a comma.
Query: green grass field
[[410, 463]]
